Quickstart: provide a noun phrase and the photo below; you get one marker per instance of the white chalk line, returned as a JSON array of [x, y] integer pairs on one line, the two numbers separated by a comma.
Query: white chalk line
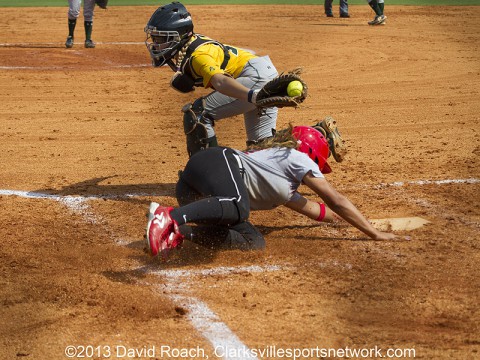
[[51, 44], [207, 323], [430, 182], [222, 270], [203, 319], [40, 195], [70, 67], [39, 45]]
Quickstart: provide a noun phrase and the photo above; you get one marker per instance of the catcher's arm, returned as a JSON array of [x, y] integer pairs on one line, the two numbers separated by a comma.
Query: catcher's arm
[[229, 86]]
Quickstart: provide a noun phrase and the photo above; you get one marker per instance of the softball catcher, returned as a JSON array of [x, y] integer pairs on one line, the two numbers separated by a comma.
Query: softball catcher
[[263, 178], [243, 82]]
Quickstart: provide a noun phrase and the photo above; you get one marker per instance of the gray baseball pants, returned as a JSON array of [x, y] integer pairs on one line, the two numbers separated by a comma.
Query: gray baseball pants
[[258, 125]]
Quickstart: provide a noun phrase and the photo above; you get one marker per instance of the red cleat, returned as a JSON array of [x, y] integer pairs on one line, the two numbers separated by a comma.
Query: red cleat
[[163, 233]]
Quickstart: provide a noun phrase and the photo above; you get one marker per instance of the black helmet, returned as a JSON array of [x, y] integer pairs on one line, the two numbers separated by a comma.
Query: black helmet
[[169, 29]]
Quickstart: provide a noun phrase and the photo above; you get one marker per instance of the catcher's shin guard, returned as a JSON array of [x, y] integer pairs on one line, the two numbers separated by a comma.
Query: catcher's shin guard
[[194, 128]]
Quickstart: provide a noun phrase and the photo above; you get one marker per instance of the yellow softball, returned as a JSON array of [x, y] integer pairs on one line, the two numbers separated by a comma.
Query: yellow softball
[[294, 88]]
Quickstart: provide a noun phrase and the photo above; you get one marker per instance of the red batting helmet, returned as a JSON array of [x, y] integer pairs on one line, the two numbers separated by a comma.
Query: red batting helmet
[[313, 143]]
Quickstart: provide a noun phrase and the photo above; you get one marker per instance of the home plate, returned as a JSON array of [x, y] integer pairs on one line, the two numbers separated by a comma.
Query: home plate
[[399, 224]]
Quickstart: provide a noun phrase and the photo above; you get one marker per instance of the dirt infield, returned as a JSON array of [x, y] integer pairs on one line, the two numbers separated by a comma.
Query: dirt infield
[[89, 137]]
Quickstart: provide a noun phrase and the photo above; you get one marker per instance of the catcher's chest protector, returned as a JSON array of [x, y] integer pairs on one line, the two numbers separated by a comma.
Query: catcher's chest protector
[[186, 80]]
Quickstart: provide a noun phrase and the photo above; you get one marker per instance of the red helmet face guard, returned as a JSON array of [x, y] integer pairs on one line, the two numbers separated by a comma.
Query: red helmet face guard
[[313, 143]]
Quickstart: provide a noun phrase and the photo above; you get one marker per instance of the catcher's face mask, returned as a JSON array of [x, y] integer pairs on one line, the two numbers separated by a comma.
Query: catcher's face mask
[[162, 45]]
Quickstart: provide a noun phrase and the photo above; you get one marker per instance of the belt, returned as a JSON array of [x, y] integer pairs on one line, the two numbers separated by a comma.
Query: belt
[[240, 164]]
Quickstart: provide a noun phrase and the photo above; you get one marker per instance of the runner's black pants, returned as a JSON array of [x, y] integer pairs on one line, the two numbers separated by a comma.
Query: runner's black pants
[[211, 191]]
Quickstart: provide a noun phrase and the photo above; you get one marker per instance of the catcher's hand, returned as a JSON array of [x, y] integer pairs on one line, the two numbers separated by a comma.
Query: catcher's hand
[[102, 3], [274, 93]]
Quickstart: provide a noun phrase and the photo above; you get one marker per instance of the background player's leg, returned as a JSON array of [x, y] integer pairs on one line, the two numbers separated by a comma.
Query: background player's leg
[[344, 9], [328, 8], [88, 8], [73, 13], [381, 5], [374, 5]]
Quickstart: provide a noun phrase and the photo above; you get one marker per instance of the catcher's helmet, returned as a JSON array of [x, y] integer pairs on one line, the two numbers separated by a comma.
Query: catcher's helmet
[[313, 143], [169, 29]]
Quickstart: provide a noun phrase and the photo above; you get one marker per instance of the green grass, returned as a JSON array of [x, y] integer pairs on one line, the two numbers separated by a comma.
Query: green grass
[[63, 3]]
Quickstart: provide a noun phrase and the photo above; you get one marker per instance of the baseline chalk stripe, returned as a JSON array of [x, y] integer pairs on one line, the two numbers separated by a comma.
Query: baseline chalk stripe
[[39, 195], [69, 67], [62, 45], [223, 270], [30, 45], [207, 323], [203, 319], [431, 182]]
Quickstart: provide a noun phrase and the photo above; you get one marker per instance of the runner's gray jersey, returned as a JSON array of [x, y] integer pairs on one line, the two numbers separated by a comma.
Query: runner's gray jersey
[[272, 176]]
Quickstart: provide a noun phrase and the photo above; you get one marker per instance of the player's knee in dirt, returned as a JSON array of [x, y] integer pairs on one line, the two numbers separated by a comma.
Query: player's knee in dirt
[[244, 236]]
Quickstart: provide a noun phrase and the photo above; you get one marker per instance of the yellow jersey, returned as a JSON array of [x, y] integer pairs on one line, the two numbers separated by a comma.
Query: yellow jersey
[[208, 58]]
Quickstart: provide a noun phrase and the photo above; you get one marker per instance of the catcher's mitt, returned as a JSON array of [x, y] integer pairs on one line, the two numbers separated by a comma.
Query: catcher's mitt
[[328, 127], [274, 93], [102, 3]]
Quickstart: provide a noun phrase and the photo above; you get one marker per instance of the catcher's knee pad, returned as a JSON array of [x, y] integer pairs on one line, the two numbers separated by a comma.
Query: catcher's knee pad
[[194, 119]]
